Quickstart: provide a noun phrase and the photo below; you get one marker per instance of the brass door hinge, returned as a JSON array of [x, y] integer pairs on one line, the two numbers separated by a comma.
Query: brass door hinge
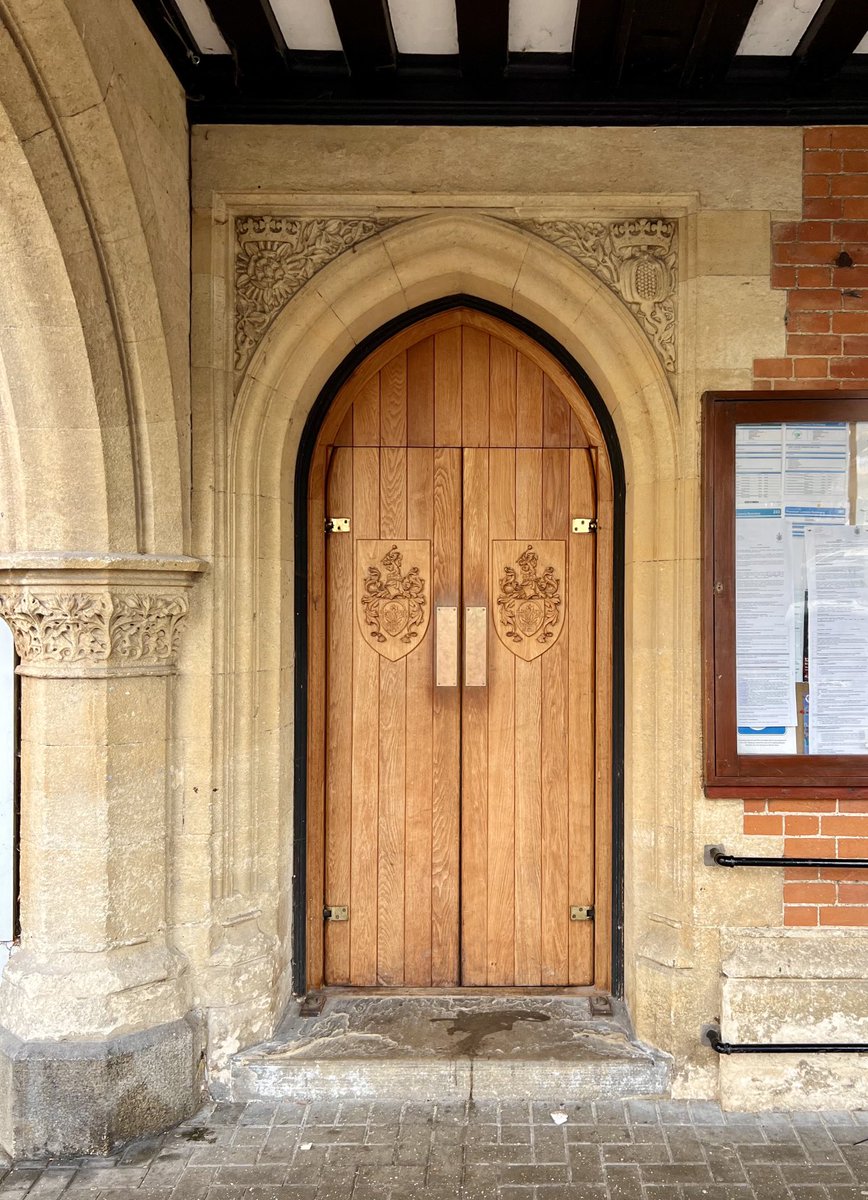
[[336, 912], [337, 524], [583, 524], [579, 912]]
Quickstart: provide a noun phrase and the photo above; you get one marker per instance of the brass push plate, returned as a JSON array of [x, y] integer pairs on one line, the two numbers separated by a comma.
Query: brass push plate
[[583, 524], [580, 912], [337, 912]]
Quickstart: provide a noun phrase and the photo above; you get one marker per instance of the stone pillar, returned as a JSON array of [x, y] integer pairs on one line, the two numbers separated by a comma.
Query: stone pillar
[[98, 1043]]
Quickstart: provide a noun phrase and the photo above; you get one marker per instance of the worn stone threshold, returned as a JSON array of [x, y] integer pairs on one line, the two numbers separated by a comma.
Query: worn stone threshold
[[452, 1046]]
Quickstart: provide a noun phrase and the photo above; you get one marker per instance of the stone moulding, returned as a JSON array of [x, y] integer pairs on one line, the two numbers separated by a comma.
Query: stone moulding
[[82, 616], [637, 257], [274, 259]]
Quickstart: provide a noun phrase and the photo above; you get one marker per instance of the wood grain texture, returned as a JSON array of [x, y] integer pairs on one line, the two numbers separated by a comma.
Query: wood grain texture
[[340, 571], [420, 393], [501, 742], [392, 737], [474, 735], [528, 751], [502, 393], [447, 388], [366, 759], [581, 636], [475, 384], [461, 820], [555, 780], [418, 829]]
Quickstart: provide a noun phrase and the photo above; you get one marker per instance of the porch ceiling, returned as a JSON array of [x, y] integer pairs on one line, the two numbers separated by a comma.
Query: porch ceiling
[[472, 62]]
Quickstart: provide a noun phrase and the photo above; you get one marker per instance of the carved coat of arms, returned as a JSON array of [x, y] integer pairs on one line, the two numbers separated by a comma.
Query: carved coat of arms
[[530, 603], [393, 607]]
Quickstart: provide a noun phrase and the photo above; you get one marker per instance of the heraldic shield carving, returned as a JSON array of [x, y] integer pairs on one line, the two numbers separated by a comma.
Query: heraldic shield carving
[[393, 584], [530, 594]]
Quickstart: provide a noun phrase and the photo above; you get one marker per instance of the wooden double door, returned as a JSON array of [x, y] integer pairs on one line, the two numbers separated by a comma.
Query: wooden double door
[[461, 748]]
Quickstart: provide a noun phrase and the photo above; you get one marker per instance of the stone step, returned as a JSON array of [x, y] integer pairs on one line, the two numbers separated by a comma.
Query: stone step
[[448, 1047]]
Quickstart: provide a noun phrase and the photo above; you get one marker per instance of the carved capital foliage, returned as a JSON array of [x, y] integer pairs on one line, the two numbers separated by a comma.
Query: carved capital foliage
[[93, 629], [81, 626], [274, 259], [637, 258]]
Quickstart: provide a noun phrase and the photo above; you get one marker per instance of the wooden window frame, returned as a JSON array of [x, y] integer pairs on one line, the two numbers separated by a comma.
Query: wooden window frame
[[728, 774]]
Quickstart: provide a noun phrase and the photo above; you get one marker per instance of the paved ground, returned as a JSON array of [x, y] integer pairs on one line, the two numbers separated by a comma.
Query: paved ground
[[487, 1151]]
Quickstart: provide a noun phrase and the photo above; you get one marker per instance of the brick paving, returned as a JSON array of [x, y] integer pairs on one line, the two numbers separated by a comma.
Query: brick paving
[[637, 1150]]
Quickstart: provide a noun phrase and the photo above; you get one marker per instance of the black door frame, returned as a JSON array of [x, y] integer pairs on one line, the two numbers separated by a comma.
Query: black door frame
[[302, 476]]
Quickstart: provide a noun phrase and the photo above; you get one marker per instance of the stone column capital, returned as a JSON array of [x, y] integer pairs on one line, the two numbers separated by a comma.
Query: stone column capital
[[78, 615]]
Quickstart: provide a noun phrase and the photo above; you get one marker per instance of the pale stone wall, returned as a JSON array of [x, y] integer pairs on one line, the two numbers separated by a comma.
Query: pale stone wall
[[161, 769], [461, 210], [97, 1041]]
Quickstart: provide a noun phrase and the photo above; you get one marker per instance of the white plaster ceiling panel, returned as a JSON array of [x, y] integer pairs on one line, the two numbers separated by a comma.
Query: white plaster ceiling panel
[[545, 26], [776, 26], [307, 24], [201, 24], [424, 26], [862, 48]]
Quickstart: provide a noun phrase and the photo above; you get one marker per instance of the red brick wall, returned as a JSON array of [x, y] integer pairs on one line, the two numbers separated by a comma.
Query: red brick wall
[[822, 262]]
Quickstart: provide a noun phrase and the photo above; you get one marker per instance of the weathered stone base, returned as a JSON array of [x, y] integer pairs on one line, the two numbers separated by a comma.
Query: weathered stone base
[[448, 1048], [75, 1098]]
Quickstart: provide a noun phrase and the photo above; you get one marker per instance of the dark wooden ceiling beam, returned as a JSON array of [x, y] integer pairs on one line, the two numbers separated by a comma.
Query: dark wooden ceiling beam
[[718, 36], [483, 38], [365, 29], [600, 39], [836, 29], [253, 35]]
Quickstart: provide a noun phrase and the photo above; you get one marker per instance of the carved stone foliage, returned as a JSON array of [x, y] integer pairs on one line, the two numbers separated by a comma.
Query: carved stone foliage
[[93, 628], [637, 258], [275, 257], [529, 603], [393, 605]]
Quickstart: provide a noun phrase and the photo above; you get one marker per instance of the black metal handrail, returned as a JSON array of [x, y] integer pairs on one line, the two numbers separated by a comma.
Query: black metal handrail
[[711, 1034], [716, 856]]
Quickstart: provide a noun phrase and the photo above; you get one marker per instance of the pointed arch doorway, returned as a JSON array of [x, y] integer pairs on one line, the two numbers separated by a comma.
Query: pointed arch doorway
[[460, 741]]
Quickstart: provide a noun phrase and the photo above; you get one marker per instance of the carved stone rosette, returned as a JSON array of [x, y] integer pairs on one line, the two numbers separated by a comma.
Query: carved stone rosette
[[76, 616], [637, 258], [274, 259]]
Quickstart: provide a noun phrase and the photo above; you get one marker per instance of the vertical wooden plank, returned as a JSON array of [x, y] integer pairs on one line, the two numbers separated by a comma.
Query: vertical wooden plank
[[556, 416], [339, 717], [366, 413], [474, 386], [419, 750], [393, 401], [529, 403], [446, 783], [555, 793], [316, 718], [578, 437], [344, 435], [603, 819], [502, 372], [366, 734], [581, 632], [528, 749], [474, 735], [392, 748], [447, 387], [501, 743], [420, 394]]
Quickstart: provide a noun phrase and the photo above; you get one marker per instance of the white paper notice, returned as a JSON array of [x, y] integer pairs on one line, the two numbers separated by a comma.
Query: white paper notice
[[764, 625], [861, 517], [817, 470], [774, 740], [759, 456], [836, 559]]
